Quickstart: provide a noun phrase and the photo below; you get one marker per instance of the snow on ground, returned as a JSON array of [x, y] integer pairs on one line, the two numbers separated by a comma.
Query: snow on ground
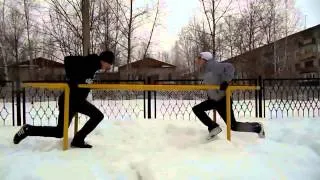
[[168, 150]]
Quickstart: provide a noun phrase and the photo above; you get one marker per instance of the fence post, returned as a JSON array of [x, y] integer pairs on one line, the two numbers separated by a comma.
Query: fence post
[[260, 96], [149, 99], [257, 99], [17, 92], [24, 105], [155, 104], [144, 101], [13, 95]]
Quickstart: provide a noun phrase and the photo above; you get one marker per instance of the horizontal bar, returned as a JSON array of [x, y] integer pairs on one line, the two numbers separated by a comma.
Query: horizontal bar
[[46, 85], [234, 88], [140, 87], [160, 87], [293, 79]]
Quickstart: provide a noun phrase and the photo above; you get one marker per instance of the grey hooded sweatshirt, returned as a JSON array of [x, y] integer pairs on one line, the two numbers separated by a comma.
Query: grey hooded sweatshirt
[[214, 74]]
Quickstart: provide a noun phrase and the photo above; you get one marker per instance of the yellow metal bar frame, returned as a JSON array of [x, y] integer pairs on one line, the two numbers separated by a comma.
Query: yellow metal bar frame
[[139, 87], [66, 89], [136, 87], [142, 87]]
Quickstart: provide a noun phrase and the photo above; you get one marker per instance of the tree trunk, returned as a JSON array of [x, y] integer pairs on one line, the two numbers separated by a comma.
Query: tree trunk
[[129, 37], [86, 27]]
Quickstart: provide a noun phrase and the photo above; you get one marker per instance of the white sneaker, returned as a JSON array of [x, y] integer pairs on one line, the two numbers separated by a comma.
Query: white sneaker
[[214, 132], [262, 133]]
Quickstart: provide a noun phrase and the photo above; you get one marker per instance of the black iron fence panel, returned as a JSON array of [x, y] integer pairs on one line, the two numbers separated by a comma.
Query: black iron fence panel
[[40, 106], [245, 102], [7, 106], [171, 105], [178, 104], [291, 98], [278, 98], [120, 105]]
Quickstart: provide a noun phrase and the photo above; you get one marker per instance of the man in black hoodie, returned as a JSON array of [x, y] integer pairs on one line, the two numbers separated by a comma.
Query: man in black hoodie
[[79, 70]]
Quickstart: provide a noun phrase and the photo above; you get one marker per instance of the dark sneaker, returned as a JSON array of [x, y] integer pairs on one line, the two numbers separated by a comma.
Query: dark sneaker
[[214, 132], [80, 144], [21, 134]]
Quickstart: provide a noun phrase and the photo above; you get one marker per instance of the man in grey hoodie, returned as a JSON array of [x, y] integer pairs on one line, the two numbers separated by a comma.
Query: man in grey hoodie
[[216, 73]]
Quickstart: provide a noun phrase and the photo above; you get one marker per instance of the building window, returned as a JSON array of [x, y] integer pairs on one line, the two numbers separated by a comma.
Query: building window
[[297, 66], [309, 64]]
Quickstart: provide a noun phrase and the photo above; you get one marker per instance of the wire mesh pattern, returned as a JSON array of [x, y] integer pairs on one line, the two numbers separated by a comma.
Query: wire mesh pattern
[[41, 106], [6, 103], [175, 105], [120, 105], [291, 98], [279, 98], [178, 105], [245, 102]]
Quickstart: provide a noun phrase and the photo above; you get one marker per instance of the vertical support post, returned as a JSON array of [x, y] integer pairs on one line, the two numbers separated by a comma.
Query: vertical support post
[[24, 105], [66, 117], [149, 100], [18, 96], [76, 123], [260, 97], [144, 101], [257, 98], [263, 96], [155, 104], [228, 104], [13, 112]]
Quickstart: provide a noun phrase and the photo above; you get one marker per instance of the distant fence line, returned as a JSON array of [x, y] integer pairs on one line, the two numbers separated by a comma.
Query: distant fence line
[[278, 98]]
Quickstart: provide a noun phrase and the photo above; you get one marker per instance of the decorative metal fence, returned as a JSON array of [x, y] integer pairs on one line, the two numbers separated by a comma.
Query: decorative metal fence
[[40, 106], [178, 105], [291, 98], [7, 100], [278, 98]]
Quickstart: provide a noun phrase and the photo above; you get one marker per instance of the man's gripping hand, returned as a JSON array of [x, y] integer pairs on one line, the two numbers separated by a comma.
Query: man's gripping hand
[[89, 81], [224, 85]]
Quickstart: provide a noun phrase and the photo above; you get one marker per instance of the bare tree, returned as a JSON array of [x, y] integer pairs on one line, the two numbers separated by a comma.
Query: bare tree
[[2, 42], [213, 16], [27, 4], [152, 30]]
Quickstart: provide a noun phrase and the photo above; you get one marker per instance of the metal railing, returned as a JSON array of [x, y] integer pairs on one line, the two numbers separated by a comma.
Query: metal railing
[[279, 98], [291, 98], [178, 105], [7, 103]]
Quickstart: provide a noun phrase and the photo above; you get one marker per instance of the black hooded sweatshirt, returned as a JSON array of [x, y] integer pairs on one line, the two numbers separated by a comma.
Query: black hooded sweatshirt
[[78, 70]]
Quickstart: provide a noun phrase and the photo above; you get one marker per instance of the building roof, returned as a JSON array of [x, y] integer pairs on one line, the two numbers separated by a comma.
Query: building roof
[[149, 62], [270, 45], [39, 62]]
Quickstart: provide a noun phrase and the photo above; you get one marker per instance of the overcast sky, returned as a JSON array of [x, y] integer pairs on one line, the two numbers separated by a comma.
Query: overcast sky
[[177, 13]]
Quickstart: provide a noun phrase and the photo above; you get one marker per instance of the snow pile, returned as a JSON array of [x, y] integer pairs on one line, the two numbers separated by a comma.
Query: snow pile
[[154, 149]]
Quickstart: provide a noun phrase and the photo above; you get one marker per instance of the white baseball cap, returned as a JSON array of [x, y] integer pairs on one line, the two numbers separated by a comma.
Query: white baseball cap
[[206, 55]]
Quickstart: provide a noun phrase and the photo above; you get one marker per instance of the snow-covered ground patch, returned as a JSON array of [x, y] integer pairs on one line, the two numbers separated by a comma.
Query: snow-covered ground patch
[[167, 149]]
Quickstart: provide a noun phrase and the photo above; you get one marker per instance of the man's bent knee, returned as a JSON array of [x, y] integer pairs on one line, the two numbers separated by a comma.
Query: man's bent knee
[[195, 108], [99, 116]]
